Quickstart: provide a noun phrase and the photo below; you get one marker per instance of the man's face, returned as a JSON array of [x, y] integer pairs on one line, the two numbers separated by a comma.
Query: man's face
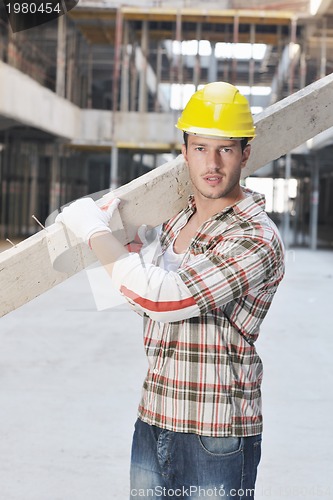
[[215, 166]]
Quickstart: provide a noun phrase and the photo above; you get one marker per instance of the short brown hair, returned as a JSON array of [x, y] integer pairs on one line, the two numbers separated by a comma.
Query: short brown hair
[[243, 141]]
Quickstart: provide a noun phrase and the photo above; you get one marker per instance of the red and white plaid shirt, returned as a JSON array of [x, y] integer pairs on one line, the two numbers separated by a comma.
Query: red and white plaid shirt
[[201, 321]]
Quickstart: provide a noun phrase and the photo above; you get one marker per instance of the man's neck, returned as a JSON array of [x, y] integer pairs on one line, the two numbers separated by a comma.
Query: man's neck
[[207, 208]]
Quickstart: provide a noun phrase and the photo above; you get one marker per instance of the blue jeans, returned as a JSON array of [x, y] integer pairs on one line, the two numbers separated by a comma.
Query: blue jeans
[[168, 464]]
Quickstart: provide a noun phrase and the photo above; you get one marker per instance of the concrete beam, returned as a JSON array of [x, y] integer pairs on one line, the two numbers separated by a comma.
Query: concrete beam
[[23, 101], [133, 129], [27, 102], [51, 256], [287, 124], [149, 78], [321, 140]]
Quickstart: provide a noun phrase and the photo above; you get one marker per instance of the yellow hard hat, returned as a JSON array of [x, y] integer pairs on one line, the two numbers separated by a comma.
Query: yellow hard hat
[[218, 110]]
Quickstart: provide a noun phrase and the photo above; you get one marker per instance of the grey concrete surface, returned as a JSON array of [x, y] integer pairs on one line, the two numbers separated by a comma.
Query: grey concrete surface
[[70, 382]]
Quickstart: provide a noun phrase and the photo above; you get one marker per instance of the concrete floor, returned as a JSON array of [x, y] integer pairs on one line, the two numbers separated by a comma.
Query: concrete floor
[[70, 381]]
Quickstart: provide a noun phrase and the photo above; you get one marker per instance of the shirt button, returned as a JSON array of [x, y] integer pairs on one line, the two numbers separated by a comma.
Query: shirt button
[[155, 371]]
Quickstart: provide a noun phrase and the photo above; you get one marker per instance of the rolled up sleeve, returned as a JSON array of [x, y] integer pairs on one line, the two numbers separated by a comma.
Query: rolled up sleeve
[[230, 271], [160, 294], [208, 280]]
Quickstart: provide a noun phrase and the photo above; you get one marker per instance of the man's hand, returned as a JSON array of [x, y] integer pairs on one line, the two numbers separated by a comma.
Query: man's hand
[[84, 218]]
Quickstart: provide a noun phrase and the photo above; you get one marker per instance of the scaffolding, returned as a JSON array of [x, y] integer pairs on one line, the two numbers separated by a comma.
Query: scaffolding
[[125, 61]]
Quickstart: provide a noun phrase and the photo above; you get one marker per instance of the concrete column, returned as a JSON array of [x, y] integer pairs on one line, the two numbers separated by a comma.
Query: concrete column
[[323, 49], [196, 73], [296, 220], [314, 203], [115, 87], [124, 93], [114, 181], [179, 37], [293, 32], [212, 69], [251, 61], [143, 88], [158, 76], [303, 62], [5, 166], [303, 69], [286, 214], [327, 198], [133, 83], [280, 49], [72, 80], [17, 162], [274, 191], [54, 181], [25, 175], [89, 77], [34, 166], [235, 41], [303, 204], [116, 66], [61, 57]]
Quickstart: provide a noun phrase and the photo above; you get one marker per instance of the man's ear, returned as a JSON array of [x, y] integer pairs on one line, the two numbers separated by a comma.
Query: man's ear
[[246, 154], [184, 152]]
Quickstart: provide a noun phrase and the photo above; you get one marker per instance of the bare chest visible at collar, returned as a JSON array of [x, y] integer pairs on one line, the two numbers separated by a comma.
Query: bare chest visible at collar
[[185, 235]]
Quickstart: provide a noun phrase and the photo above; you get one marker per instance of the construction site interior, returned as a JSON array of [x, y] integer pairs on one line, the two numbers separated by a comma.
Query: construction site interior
[[89, 101]]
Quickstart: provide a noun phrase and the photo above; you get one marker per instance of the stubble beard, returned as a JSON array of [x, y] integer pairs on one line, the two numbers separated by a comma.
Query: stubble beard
[[221, 193]]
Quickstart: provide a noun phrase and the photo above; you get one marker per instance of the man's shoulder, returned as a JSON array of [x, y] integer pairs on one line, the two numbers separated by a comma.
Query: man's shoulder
[[260, 225]]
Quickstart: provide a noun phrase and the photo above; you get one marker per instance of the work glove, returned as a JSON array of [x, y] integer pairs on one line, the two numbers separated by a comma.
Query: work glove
[[84, 218]]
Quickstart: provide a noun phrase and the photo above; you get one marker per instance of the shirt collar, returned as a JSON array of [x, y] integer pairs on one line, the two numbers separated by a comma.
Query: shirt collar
[[251, 205], [248, 207]]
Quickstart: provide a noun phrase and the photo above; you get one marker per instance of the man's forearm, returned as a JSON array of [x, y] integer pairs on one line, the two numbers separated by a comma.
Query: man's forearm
[[154, 291], [107, 249]]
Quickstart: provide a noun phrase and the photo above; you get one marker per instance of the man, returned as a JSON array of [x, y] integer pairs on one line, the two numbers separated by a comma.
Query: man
[[203, 295]]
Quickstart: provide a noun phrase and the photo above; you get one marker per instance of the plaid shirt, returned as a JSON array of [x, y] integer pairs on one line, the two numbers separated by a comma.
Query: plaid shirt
[[201, 322]]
